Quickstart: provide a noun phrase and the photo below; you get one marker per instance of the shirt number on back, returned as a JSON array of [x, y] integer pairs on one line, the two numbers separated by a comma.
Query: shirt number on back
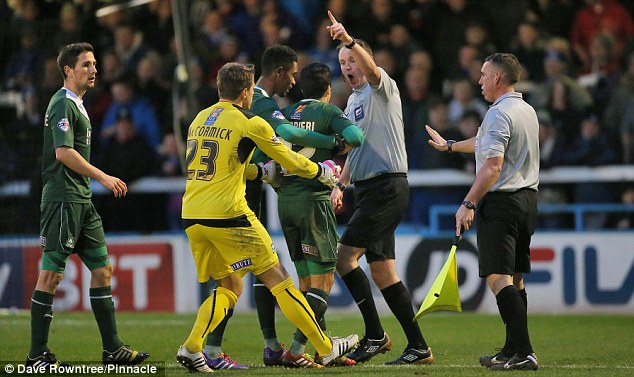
[[206, 162]]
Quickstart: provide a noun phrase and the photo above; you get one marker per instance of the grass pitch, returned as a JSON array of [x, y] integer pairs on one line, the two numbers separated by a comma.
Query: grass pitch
[[566, 345]]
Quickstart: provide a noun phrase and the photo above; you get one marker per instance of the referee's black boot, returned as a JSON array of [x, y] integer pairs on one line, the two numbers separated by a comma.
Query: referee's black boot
[[368, 348]]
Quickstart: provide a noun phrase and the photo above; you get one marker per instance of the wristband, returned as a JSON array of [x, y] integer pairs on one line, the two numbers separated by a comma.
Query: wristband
[[469, 204], [351, 45], [449, 144], [341, 186]]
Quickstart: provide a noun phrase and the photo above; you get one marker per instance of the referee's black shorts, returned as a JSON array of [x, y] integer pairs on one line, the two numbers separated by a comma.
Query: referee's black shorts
[[506, 222], [380, 205]]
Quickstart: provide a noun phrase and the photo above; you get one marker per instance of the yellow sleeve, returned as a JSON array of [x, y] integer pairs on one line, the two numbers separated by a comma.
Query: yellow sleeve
[[251, 172], [264, 137]]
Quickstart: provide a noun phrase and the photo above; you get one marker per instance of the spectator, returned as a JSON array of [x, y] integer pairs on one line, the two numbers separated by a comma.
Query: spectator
[[625, 221], [170, 166], [129, 157], [143, 113], [25, 62], [592, 148], [68, 27], [529, 49], [565, 117], [151, 86], [601, 73], [600, 16], [462, 99], [129, 46], [322, 50], [556, 62]]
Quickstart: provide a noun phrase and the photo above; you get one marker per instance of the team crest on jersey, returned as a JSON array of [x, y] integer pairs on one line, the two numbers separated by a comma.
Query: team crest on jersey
[[241, 264], [63, 125], [70, 243], [42, 241], [277, 115], [358, 113], [309, 249], [297, 114]]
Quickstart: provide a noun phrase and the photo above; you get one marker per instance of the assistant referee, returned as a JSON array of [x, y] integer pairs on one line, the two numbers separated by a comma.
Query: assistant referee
[[504, 195]]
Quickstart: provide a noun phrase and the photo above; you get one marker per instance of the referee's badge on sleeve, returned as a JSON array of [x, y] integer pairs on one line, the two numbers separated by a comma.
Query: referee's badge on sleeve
[[358, 113]]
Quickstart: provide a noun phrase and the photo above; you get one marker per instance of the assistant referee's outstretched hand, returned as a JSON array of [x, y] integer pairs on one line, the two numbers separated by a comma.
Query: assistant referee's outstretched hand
[[437, 141]]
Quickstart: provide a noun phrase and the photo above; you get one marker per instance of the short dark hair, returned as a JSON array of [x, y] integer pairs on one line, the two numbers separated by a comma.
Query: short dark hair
[[278, 56], [233, 78], [509, 65], [314, 80], [69, 54]]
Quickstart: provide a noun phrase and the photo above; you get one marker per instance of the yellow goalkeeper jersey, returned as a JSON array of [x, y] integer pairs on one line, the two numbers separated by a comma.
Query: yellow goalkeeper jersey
[[220, 143]]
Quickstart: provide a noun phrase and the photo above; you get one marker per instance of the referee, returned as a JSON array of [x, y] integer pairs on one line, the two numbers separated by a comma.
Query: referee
[[378, 169], [504, 194]]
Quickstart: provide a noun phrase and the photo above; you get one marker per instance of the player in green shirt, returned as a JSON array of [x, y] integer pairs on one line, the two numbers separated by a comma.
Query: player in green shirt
[[306, 213], [69, 222]]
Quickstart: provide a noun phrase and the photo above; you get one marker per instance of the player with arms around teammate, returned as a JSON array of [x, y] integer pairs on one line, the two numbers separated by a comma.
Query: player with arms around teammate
[[279, 68], [306, 214], [504, 194], [378, 169], [226, 238], [69, 222]]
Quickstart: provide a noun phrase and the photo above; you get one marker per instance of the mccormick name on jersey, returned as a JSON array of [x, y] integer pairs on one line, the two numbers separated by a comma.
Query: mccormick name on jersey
[[208, 129]]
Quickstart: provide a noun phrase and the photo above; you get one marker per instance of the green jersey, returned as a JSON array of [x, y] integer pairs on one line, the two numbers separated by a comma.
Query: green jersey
[[66, 124], [265, 107], [317, 116]]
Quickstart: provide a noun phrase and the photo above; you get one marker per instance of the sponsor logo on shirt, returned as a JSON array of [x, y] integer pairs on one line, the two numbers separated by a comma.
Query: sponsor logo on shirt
[[309, 249], [42, 241], [211, 119], [277, 115], [275, 139], [358, 113], [63, 125], [241, 264]]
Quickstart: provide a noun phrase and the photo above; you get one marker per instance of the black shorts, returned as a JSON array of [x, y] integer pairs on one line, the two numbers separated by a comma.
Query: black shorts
[[380, 205], [506, 222]]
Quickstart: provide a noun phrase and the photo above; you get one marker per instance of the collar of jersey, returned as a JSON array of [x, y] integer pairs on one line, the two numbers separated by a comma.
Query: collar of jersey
[[263, 91], [78, 101]]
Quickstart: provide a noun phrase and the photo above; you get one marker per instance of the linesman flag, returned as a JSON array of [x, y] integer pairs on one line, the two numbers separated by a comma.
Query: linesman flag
[[444, 294]]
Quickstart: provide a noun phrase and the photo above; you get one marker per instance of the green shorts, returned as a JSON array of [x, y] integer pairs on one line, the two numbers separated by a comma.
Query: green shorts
[[67, 228], [310, 230]]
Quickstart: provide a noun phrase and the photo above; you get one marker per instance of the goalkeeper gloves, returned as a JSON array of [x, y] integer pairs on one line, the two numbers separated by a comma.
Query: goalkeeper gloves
[[271, 173], [329, 173]]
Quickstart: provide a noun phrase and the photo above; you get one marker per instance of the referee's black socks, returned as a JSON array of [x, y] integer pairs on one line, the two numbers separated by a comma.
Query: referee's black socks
[[359, 286], [513, 312], [400, 303]]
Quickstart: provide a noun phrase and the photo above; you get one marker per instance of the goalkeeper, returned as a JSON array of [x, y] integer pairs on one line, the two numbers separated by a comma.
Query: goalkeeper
[[226, 238]]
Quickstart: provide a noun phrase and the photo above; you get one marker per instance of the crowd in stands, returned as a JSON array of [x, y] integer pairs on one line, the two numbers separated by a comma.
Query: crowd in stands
[[577, 56]]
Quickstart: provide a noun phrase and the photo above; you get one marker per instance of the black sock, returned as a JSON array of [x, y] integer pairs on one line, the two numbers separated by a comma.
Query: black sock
[[214, 338], [359, 287], [103, 309], [400, 303], [508, 349], [41, 317], [265, 304], [513, 313]]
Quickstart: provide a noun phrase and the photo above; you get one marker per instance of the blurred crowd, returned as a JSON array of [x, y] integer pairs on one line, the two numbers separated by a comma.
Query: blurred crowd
[[578, 60]]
